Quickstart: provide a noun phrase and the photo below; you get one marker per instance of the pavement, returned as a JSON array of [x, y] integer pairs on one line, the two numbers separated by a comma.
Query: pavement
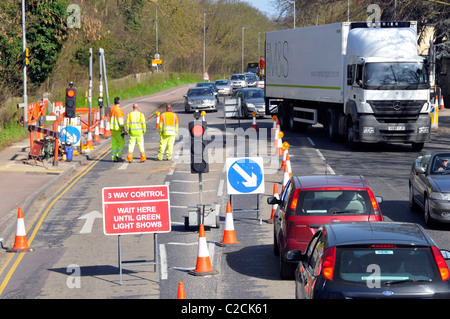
[[22, 183]]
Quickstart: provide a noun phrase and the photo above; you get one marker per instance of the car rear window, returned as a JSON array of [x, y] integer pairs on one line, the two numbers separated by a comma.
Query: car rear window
[[328, 202], [385, 265]]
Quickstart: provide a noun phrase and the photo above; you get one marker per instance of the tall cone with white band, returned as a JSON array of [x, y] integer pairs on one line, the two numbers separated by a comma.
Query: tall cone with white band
[[203, 267], [20, 243], [229, 236]]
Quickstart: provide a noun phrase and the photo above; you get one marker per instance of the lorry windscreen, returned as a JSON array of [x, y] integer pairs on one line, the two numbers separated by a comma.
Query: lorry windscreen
[[395, 76]]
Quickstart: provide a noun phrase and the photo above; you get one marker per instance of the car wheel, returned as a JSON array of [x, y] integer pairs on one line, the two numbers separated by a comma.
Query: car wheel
[[412, 204], [426, 213], [286, 269], [276, 249]]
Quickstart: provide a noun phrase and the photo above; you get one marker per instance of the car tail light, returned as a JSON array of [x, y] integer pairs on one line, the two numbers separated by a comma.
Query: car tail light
[[441, 263], [373, 200], [329, 259], [294, 201]]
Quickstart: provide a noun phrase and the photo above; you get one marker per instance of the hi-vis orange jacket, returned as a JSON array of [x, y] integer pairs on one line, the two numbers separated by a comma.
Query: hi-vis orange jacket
[[116, 120]]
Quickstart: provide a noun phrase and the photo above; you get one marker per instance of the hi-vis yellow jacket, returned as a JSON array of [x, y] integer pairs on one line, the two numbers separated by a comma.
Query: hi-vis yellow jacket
[[116, 120], [136, 123], [168, 124]]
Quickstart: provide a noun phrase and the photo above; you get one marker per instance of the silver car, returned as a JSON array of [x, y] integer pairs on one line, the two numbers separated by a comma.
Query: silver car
[[200, 98], [223, 86], [252, 100], [238, 81], [252, 79]]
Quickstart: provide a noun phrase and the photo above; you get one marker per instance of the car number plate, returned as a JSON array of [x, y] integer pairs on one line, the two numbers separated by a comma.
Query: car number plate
[[396, 128]]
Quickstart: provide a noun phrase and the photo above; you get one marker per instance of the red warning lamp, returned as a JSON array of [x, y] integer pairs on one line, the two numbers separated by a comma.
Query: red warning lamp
[[71, 100]]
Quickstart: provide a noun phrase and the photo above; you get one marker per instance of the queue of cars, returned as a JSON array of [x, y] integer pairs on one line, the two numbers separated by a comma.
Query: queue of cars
[[330, 236], [242, 87]]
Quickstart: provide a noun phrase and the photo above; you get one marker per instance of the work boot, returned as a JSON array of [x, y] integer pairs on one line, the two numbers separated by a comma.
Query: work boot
[[129, 159], [119, 159], [143, 159]]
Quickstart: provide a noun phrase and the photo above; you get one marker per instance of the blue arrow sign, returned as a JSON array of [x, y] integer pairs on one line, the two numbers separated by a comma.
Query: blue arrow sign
[[245, 175], [70, 134]]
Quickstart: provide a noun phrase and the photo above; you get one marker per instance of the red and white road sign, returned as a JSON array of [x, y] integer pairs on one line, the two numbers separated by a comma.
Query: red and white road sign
[[136, 210]]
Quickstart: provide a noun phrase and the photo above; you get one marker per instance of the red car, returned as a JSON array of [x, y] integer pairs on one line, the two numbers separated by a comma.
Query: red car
[[307, 202]]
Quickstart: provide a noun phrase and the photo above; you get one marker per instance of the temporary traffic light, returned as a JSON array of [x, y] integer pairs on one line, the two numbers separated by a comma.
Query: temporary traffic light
[[199, 157], [71, 99]]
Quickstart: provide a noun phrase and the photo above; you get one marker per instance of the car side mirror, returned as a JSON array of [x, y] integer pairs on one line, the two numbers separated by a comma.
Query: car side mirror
[[273, 201], [419, 169], [446, 254], [379, 199], [294, 255]]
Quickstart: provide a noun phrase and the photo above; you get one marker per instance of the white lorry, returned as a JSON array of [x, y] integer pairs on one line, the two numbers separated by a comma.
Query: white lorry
[[364, 84]]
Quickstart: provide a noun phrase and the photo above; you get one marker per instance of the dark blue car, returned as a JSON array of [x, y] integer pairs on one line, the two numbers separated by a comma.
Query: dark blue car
[[371, 261]]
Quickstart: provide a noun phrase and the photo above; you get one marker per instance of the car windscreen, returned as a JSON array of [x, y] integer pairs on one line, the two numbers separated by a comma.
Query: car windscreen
[[385, 264], [237, 78], [328, 202], [222, 82], [254, 94], [200, 92]]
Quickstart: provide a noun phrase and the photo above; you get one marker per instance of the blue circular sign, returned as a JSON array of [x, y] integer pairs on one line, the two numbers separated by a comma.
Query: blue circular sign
[[70, 134], [245, 175]]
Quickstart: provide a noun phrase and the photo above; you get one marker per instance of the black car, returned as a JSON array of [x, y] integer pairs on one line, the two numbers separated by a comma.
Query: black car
[[365, 260], [429, 187]]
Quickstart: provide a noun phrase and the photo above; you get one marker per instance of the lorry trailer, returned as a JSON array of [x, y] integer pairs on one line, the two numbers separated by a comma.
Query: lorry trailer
[[363, 83]]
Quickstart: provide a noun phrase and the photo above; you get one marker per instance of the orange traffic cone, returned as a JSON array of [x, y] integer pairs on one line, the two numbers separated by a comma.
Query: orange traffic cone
[[107, 129], [441, 103], [157, 120], [96, 134], [274, 206], [274, 127], [89, 140], [203, 267], [285, 177], [288, 165], [20, 243], [275, 135], [229, 236], [280, 143], [254, 125], [283, 162], [101, 128], [181, 294]]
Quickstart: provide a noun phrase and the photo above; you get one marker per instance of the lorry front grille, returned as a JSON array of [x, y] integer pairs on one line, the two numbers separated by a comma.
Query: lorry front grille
[[394, 111]]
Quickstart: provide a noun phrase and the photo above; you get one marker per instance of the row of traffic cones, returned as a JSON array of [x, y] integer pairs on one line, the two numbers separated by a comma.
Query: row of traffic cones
[[440, 102], [102, 127]]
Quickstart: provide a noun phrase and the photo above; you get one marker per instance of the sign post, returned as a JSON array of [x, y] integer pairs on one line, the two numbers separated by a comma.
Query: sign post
[[136, 210], [245, 175]]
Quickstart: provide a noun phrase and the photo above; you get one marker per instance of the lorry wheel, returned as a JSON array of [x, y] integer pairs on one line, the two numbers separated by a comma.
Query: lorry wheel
[[332, 127], [350, 134]]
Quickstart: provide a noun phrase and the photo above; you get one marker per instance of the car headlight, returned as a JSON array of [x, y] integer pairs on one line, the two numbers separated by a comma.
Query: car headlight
[[251, 106], [440, 196]]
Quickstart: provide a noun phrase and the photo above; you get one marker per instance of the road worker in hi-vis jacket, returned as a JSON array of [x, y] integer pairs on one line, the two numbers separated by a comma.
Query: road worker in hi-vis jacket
[[168, 130], [136, 127], [118, 132]]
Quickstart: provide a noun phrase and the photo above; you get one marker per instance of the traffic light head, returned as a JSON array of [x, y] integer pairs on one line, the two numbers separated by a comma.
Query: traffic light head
[[199, 158], [71, 99]]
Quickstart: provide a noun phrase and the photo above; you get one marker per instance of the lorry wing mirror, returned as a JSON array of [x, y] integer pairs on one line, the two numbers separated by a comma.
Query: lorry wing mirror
[[349, 75]]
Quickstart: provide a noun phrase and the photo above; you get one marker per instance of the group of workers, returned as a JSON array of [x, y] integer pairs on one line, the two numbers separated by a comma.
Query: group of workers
[[135, 126]]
